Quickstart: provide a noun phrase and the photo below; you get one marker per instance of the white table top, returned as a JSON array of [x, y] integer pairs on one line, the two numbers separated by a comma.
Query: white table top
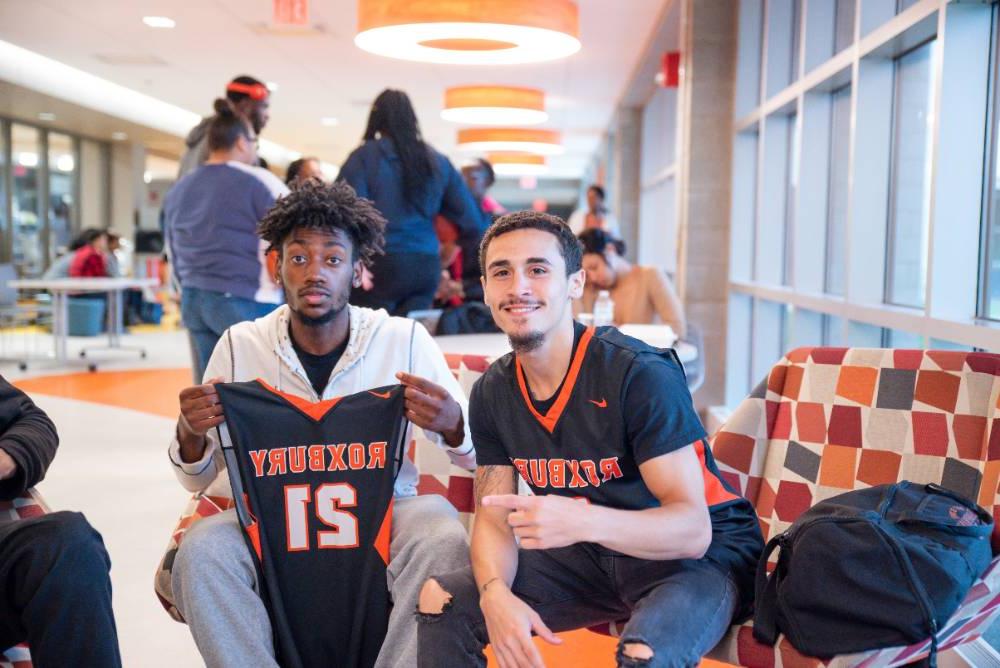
[[82, 284], [496, 345]]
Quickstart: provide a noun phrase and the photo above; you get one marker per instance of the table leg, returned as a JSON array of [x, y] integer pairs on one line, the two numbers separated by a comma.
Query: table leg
[[60, 325], [114, 318]]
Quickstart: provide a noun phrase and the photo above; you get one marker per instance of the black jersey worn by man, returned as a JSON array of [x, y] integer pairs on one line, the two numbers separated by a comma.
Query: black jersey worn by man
[[314, 495], [622, 403]]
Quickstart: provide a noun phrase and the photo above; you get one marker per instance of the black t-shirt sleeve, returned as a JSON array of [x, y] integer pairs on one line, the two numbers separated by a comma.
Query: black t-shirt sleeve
[[659, 413], [489, 448]]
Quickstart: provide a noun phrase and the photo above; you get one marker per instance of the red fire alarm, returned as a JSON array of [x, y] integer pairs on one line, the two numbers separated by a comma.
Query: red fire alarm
[[669, 75]]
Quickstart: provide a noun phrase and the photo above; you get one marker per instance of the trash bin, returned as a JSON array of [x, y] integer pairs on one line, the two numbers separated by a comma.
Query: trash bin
[[86, 316]]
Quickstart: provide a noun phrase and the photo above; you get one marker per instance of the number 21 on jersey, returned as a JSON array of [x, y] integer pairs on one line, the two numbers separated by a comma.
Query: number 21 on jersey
[[329, 499]]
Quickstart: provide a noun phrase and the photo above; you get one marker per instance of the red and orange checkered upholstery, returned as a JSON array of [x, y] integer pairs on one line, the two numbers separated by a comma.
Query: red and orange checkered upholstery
[[29, 505], [828, 420], [437, 476]]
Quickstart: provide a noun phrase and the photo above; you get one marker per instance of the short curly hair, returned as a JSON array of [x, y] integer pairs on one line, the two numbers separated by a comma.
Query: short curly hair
[[326, 207], [569, 247]]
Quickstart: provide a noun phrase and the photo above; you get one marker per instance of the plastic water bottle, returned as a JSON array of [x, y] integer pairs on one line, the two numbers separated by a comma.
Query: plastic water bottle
[[604, 309]]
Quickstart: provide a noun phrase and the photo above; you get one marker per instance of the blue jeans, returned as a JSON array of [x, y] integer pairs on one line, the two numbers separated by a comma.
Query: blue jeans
[[208, 314], [679, 609]]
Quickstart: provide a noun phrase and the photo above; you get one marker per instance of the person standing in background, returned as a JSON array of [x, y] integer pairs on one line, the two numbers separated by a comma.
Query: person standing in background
[[211, 220], [642, 295], [596, 215], [301, 170], [248, 98], [410, 183], [479, 178]]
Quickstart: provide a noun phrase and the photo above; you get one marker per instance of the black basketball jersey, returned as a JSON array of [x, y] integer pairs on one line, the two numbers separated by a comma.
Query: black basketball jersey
[[313, 484], [585, 446]]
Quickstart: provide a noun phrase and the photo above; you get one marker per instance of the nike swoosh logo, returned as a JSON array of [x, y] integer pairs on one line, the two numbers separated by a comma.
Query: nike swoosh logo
[[603, 403], [381, 395]]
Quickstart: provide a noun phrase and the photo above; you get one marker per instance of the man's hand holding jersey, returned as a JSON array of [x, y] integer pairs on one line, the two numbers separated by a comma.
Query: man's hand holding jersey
[[428, 405], [431, 407], [679, 528], [200, 412]]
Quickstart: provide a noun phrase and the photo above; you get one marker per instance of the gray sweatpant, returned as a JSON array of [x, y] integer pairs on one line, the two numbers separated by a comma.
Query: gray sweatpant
[[216, 588]]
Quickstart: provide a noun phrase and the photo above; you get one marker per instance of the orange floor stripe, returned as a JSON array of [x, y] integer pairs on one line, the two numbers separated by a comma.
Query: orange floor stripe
[[584, 649], [155, 391], [148, 390]]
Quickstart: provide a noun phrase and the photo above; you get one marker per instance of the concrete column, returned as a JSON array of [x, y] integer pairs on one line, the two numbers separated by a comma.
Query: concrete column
[[128, 163], [627, 176], [709, 34]]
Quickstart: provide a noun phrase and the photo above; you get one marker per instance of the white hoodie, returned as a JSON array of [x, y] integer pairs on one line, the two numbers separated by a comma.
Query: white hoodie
[[378, 346]]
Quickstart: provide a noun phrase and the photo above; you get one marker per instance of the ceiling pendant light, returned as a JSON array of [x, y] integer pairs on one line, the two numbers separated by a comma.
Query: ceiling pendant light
[[469, 32], [494, 105], [517, 140], [517, 164]]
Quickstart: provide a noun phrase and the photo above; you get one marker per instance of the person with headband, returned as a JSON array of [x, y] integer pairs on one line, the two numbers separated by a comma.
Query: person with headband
[[247, 97]]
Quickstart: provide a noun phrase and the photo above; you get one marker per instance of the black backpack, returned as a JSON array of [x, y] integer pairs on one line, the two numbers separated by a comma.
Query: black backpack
[[879, 567]]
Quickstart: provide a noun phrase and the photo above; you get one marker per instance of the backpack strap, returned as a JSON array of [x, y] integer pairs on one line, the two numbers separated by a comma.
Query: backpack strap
[[765, 623]]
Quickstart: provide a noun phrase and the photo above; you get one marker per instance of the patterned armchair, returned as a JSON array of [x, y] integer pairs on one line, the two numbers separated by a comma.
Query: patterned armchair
[[21, 508], [828, 420]]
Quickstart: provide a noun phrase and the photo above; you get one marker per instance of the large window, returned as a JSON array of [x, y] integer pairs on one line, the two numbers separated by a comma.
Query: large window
[[63, 161], [52, 184], [840, 152], [28, 220], [911, 177], [858, 188]]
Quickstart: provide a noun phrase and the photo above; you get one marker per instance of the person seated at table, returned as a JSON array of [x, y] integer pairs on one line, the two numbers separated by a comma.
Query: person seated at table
[[90, 261], [642, 295], [54, 568], [60, 266]]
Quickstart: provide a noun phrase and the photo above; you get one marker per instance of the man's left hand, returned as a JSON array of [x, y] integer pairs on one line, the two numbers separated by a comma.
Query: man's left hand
[[431, 407], [8, 467], [543, 522]]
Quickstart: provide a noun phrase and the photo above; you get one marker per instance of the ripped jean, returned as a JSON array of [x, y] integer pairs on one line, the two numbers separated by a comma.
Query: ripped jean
[[679, 609]]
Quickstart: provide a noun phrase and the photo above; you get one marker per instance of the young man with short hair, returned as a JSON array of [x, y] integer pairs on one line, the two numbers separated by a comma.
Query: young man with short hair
[[630, 517], [318, 347]]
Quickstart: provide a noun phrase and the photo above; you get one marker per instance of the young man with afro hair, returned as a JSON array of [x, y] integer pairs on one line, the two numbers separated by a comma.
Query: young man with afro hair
[[316, 346]]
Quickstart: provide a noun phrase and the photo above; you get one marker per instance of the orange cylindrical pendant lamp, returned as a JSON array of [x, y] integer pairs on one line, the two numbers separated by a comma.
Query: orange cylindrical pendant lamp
[[470, 32], [518, 140], [517, 164], [494, 105]]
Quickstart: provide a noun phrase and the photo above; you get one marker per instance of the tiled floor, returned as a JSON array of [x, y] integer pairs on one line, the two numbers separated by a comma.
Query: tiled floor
[[115, 425]]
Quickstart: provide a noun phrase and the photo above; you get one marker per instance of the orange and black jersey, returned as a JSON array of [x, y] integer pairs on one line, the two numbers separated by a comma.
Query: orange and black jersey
[[313, 484], [621, 404]]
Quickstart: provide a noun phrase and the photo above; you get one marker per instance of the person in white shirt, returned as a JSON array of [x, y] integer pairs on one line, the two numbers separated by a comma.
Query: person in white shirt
[[596, 215], [316, 346]]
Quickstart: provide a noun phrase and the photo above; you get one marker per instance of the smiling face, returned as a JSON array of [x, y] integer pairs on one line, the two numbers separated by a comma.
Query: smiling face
[[526, 286], [317, 271]]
